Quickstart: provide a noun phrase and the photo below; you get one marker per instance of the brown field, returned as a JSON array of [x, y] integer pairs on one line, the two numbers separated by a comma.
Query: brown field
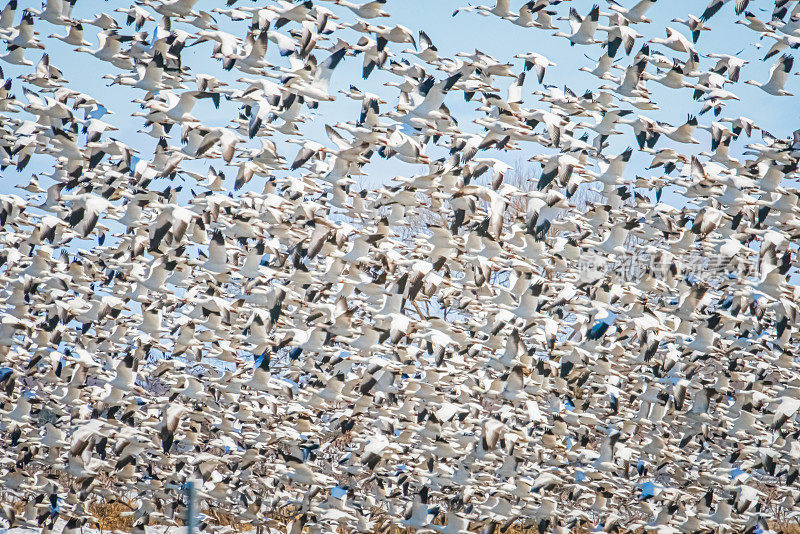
[[117, 516]]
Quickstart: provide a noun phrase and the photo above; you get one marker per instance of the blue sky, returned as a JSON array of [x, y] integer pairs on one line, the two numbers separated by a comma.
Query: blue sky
[[465, 32]]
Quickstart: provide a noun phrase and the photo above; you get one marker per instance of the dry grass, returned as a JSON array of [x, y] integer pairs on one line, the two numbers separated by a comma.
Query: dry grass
[[109, 515], [116, 515], [18, 506], [223, 518]]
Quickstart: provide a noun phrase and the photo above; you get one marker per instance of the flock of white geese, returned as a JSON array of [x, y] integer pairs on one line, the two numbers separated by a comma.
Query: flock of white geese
[[464, 346]]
